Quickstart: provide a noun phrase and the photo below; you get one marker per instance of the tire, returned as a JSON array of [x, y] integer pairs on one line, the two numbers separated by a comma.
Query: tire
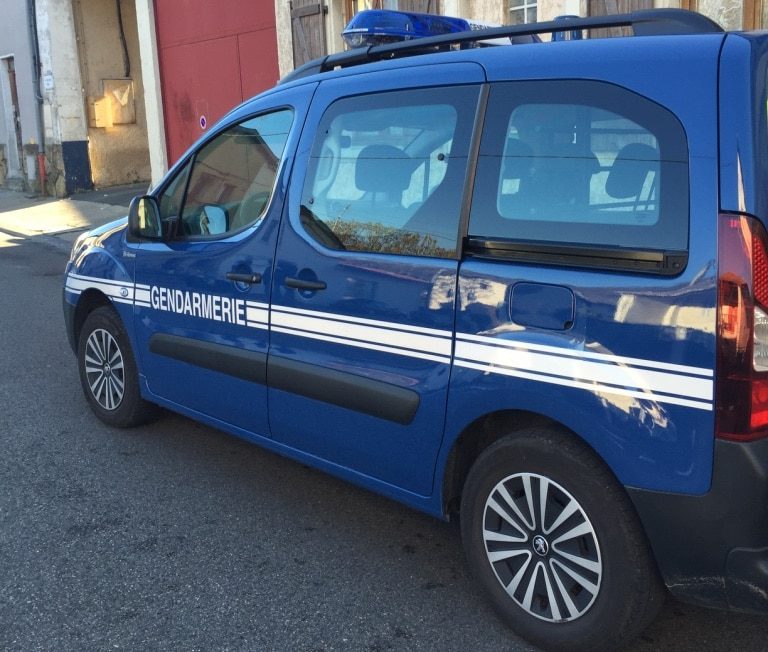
[[582, 578], [108, 372]]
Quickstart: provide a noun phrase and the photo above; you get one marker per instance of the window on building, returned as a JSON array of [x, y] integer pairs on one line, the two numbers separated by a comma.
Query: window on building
[[522, 11]]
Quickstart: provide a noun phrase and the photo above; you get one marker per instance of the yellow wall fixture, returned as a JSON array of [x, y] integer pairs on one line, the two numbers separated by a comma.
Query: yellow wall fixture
[[115, 107]]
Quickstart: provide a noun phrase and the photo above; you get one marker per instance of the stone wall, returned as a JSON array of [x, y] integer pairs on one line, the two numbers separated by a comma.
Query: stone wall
[[728, 13]]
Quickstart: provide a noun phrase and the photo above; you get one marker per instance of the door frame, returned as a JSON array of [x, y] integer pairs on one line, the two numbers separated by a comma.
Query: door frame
[[10, 98]]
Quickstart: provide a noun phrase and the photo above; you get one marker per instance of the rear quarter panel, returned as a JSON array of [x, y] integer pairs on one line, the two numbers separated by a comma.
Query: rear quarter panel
[[651, 337]]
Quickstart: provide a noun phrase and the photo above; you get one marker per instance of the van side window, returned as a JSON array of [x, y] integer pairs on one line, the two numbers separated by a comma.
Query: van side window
[[173, 195], [581, 163], [231, 178], [386, 172]]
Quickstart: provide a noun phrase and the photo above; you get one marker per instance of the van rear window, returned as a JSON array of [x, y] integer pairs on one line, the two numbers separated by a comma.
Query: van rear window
[[581, 163]]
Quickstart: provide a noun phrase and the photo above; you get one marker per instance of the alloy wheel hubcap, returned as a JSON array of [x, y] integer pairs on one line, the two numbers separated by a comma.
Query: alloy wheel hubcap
[[104, 369], [542, 547]]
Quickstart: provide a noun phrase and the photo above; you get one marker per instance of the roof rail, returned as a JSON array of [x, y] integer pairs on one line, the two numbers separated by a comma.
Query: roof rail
[[649, 22]]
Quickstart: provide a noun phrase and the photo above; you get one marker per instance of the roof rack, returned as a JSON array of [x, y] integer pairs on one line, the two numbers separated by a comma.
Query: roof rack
[[649, 22]]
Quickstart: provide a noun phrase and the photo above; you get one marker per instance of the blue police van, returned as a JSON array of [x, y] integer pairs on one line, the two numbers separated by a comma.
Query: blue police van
[[522, 285]]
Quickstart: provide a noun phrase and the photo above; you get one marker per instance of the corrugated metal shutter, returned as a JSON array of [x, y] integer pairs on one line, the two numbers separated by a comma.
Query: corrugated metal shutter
[[308, 26]]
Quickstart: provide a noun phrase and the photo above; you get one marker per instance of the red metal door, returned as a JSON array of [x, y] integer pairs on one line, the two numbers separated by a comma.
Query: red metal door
[[213, 55]]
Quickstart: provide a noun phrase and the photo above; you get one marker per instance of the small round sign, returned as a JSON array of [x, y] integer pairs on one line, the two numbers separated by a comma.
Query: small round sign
[[203, 122]]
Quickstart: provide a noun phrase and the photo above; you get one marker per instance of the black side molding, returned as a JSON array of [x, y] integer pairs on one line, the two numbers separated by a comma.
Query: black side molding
[[346, 390], [248, 365], [649, 261]]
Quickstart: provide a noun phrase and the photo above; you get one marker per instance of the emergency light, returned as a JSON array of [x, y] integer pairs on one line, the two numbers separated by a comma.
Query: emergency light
[[377, 27], [382, 26], [567, 35]]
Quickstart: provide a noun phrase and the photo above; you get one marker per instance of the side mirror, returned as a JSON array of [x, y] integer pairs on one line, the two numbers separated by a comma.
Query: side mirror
[[144, 219], [213, 220]]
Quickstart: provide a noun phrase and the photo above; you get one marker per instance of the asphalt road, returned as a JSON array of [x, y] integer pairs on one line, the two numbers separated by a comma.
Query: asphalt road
[[178, 537]]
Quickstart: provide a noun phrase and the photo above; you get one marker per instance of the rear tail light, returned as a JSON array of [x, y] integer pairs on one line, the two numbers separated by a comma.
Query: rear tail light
[[742, 329]]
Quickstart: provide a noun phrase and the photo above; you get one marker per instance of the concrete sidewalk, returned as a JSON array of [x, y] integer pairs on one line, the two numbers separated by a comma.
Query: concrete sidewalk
[[58, 222]]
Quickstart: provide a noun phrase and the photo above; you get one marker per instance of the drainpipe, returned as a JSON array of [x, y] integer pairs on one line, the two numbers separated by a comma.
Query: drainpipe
[[32, 25]]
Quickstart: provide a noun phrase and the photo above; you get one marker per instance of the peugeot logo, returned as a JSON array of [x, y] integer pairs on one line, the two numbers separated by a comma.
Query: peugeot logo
[[540, 545]]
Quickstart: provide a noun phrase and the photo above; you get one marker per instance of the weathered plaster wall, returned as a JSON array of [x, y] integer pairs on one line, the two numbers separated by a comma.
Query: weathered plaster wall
[[64, 109], [489, 11], [729, 13], [548, 9], [58, 55], [119, 153], [334, 26], [284, 37], [15, 42]]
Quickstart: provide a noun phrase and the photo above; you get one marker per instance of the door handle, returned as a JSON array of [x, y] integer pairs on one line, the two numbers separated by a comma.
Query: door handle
[[250, 279], [301, 284]]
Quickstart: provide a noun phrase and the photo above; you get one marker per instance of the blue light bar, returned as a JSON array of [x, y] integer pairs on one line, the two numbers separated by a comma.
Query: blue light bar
[[377, 27], [567, 35]]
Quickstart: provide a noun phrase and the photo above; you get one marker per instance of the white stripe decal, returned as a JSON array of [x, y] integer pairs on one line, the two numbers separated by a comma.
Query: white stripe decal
[[407, 328], [366, 334], [589, 371], [363, 345], [98, 280], [121, 291], [142, 295], [651, 364], [590, 387], [259, 315]]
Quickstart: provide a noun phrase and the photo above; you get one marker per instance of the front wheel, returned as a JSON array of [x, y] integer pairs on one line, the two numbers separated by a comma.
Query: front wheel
[[108, 372], [553, 539]]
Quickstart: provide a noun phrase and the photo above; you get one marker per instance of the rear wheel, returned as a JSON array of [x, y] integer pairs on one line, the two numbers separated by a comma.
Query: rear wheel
[[553, 539], [108, 372]]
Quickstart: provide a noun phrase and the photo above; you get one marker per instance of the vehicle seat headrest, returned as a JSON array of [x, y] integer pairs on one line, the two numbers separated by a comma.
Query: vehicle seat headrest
[[383, 168], [630, 170]]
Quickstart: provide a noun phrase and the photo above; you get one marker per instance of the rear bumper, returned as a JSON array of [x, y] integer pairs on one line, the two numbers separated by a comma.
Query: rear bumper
[[746, 580], [713, 549]]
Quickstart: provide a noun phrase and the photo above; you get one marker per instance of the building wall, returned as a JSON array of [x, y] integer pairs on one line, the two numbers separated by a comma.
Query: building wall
[[551, 8], [489, 11], [728, 13], [336, 21], [284, 40], [114, 93], [15, 42], [66, 127], [153, 94]]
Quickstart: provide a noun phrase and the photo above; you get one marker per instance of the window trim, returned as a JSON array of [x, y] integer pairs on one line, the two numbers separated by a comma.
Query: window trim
[[657, 261], [525, 7], [480, 97], [191, 158], [649, 261]]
